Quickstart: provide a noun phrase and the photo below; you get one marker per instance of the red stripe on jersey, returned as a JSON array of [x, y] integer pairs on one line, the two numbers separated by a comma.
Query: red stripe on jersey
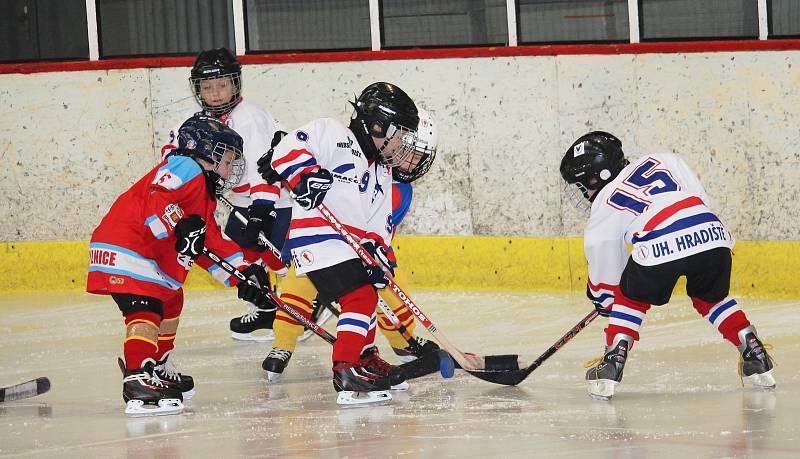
[[264, 188], [317, 222], [241, 188], [293, 155], [299, 174], [671, 210]]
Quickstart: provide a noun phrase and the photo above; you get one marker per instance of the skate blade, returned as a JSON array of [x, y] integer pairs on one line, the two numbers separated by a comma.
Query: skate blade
[[165, 407], [602, 389], [266, 336], [273, 377], [403, 386], [762, 381], [349, 397]]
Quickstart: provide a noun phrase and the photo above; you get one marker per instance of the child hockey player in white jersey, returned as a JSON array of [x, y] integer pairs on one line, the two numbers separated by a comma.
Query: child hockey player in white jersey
[[657, 205], [351, 170], [216, 82]]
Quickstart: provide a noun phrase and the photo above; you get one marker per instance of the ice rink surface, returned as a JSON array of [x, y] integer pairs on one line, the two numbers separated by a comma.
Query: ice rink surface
[[681, 396]]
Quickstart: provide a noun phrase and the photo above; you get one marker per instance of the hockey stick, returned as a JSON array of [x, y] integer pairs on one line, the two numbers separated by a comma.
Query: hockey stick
[[474, 364], [27, 389], [418, 367], [274, 250], [514, 377]]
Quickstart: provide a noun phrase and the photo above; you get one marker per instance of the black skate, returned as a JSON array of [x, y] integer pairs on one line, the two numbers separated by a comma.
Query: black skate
[[146, 395], [755, 365], [169, 375], [408, 354], [371, 361], [256, 325], [604, 377], [357, 386], [275, 363]]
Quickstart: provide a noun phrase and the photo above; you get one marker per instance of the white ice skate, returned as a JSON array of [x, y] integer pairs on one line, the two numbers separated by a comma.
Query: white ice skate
[[349, 397], [166, 406]]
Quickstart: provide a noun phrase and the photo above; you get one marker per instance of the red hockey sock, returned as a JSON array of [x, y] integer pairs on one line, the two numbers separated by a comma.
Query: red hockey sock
[[725, 315], [141, 340], [356, 322]]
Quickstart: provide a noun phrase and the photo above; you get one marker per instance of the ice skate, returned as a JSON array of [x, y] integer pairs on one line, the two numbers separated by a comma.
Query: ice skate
[[146, 395], [755, 365], [607, 373], [407, 354], [371, 361], [169, 375], [357, 386], [275, 363], [255, 325], [320, 315]]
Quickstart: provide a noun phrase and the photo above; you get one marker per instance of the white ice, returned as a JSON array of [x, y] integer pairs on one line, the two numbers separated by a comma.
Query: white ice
[[680, 397]]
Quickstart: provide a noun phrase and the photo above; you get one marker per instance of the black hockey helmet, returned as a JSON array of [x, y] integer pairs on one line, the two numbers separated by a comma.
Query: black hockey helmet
[[210, 65], [205, 137], [382, 111], [591, 162]]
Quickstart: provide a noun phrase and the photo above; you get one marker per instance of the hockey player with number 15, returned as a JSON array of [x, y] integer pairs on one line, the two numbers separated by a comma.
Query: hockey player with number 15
[[657, 205]]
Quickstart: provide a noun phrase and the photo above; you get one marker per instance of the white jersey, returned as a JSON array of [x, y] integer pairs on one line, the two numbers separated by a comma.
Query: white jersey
[[360, 196], [656, 205], [256, 127]]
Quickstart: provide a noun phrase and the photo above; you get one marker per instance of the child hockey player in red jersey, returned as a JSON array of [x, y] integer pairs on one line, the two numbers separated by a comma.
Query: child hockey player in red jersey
[[657, 205], [351, 170], [142, 251]]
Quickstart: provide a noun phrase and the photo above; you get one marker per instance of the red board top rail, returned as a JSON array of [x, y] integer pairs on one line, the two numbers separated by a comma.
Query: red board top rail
[[407, 54]]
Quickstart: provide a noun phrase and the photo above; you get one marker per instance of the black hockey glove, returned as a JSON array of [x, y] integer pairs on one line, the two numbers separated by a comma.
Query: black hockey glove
[[376, 277], [262, 216], [190, 233], [379, 252], [253, 294], [311, 189], [265, 162]]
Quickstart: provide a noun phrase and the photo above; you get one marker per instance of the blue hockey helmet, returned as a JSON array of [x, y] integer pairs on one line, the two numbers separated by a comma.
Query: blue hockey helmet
[[206, 138]]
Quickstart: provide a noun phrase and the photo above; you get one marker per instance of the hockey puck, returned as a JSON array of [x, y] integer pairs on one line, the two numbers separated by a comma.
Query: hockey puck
[[446, 365]]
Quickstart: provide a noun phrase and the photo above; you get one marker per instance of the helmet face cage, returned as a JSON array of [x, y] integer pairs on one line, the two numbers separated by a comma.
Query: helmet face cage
[[398, 145], [212, 65], [418, 162], [236, 168]]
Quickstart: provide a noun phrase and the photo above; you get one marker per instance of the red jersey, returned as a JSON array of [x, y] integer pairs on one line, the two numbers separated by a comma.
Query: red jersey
[[133, 248]]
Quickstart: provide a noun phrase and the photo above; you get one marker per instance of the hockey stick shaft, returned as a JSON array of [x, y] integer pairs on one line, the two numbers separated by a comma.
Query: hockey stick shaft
[[321, 332], [261, 237], [476, 363], [24, 390], [563, 340]]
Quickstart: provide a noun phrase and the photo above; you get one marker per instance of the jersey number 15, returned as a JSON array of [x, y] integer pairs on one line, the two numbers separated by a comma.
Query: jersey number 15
[[648, 180]]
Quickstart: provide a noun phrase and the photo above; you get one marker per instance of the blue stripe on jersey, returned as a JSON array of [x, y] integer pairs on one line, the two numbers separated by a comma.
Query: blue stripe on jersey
[[154, 223], [344, 168], [720, 310], [293, 168], [678, 225], [116, 248], [628, 317], [303, 241], [183, 167], [406, 195]]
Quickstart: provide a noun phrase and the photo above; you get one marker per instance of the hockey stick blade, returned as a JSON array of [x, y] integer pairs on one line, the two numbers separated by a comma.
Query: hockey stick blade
[[24, 390]]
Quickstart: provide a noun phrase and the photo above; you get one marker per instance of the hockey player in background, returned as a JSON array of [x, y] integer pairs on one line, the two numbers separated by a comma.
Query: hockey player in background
[[142, 251], [350, 169], [216, 82], [657, 205]]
